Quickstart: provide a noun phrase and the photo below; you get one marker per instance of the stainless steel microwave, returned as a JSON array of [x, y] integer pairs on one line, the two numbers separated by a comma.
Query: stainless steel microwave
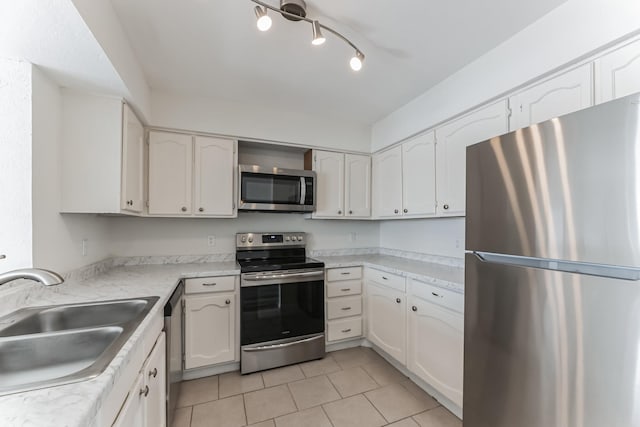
[[274, 189]]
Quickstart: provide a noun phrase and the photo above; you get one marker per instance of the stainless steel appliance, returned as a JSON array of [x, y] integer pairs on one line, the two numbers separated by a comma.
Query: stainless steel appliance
[[173, 327], [281, 301], [274, 189], [552, 297]]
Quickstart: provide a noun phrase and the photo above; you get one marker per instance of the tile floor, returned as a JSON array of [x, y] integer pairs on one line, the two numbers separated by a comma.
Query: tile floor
[[353, 387]]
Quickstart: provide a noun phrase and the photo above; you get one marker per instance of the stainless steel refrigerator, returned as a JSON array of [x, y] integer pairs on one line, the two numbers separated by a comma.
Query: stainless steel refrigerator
[[552, 290]]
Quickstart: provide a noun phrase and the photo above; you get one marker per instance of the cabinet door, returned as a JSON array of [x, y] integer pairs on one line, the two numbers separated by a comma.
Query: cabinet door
[[154, 371], [214, 176], [131, 194], [436, 347], [357, 186], [617, 73], [387, 183], [386, 317], [209, 330], [564, 94], [329, 168], [170, 173], [132, 413], [419, 176], [452, 140]]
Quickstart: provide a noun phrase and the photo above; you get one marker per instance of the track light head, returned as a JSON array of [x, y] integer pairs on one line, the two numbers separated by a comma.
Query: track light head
[[264, 21], [318, 38], [356, 61]]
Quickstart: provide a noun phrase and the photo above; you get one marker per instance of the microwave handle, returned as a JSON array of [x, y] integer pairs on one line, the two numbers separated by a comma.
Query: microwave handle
[[303, 190]]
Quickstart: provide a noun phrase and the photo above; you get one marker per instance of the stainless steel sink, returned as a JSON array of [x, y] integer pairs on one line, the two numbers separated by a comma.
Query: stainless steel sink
[[47, 346]]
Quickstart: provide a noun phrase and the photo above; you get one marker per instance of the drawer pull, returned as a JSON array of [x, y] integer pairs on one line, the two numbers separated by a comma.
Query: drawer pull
[[398, 300], [385, 278], [414, 308], [345, 308], [345, 273], [344, 331], [209, 284], [436, 295], [345, 289]]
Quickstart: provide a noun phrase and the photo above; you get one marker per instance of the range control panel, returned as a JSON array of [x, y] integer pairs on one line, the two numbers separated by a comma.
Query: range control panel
[[269, 240]]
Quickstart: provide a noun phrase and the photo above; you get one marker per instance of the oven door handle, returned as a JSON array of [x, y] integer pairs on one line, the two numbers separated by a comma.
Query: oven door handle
[[276, 346], [268, 279]]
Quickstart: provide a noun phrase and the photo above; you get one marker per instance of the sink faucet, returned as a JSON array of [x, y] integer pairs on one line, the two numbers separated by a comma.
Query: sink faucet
[[46, 277]]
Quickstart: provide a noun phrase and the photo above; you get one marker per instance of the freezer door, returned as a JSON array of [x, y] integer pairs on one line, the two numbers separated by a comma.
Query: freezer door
[[549, 348], [568, 188]]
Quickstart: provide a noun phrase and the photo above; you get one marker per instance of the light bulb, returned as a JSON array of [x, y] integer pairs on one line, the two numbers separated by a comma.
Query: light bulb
[[356, 61], [264, 21], [318, 38]]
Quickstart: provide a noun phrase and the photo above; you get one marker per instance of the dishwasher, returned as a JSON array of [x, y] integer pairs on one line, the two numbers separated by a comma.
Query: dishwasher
[[173, 319]]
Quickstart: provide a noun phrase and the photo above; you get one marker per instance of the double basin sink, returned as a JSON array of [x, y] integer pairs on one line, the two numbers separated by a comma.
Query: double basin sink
[[47, 346]]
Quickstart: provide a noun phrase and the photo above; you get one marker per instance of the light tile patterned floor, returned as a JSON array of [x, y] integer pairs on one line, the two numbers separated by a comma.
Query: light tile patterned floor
[[353, 387]]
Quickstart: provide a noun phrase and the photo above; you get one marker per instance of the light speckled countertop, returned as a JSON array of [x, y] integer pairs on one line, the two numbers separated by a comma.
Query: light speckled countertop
[[444, 276], [78, 404]]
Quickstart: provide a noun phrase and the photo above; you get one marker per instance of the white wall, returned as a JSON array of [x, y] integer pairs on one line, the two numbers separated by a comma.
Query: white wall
[[57, 239], [178, 236], [442, 236], [573, 30], [15, 164], [202, 114]]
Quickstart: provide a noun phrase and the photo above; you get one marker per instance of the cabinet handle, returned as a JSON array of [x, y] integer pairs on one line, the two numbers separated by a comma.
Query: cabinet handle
[[345, 308], [406, 211], [131, 202], [345, 289], [446, 207], [395, 211], [201, 210], [227, 302], [2, 256], [345, 273], [144, 391], [184, 209], [398, 300], [339, 212], [385, 278], [344, 331], [414, 308], [153, 373], [209, 284], [436, 295]]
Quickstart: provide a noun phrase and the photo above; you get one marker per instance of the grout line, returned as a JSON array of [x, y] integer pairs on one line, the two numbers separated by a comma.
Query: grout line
[[326, 415], [244, 405], [378, 411], [190, 415], [292, 398]]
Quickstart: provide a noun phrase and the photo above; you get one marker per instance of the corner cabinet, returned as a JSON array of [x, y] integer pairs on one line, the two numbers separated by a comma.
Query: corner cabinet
[[343, 186], [452, 140], [191, 176], [616, 74], [102, 156]]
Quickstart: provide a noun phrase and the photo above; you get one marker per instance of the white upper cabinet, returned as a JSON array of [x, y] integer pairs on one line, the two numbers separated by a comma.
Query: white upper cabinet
[[617, 73], [452, 140], [132, 195], [343, 185], [214, 176], [329, 169], [170, 173], [564, 94], [387, 183], [357, 186], [101, 155], [418, 176]]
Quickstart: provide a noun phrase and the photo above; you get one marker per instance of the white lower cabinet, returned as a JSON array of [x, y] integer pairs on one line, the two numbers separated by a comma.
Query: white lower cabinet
[[210, 322], [145, 403], [386, 319], [436, 339], [343, 303]]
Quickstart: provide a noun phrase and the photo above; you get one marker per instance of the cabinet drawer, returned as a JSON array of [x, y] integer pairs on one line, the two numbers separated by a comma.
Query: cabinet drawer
[[344, 288], [386, 279], [443, 297], [344, 307], [210, 284], [346, 273], [343, 329]]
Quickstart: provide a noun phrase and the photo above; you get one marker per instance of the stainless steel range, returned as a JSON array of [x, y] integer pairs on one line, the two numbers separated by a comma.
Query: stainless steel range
[[281, 301]]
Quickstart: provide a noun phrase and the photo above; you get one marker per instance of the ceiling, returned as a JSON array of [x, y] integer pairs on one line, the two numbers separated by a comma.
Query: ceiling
[[212, 48]]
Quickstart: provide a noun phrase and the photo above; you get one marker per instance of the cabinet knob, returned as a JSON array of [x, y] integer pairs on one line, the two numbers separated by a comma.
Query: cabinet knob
[[395, 211], [153, 373], [144, 391], [227, 302], [2, 256], [339, 212], [406, 211], [414, 308], [350, 212], [201, 210], [398, 300], [184, 209], [445, 207]]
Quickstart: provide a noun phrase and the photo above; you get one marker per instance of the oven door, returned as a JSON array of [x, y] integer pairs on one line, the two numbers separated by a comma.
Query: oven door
[[276, 189], [280, 305]]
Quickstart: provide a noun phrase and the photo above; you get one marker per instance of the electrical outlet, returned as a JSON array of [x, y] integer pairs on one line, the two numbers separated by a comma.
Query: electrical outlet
[[353, 237], [457, 243], [85, 247], [211, 240]]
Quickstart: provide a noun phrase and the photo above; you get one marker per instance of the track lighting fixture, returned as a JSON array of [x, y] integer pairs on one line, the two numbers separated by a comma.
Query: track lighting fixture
[[296, 10]]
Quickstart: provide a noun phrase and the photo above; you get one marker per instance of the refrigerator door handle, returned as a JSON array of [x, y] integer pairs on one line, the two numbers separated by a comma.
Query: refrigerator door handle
[[602, 270]]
